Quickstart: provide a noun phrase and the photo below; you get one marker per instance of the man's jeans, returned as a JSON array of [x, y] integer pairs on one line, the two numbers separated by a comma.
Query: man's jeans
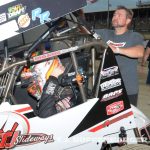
[[148, 77]]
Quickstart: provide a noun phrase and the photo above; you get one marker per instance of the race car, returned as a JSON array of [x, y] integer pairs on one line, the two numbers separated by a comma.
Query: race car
[[103, 119]]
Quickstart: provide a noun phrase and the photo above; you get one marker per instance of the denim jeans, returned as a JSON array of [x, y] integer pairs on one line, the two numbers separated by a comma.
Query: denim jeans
[[133, 99], [148, 77]]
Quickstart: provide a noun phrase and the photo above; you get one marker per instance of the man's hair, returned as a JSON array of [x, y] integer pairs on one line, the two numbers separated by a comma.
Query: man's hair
[[128, 11]]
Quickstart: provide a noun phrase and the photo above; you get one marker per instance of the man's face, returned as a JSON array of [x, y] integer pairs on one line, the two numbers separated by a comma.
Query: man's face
[[120, 19]]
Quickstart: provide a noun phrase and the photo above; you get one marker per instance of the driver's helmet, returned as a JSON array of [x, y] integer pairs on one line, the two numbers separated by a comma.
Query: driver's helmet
[[35, 76]]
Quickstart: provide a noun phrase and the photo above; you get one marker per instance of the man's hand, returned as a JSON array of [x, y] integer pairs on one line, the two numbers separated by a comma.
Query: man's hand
[[115, 49]]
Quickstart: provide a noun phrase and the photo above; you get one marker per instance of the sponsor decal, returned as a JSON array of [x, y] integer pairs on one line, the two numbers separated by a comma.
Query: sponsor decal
[[37, 13], [71, 74], [32, 138], [56, 53], [115, 108], [16, 10], [110, 84], [121, 44], [50, 88], [28, 74], [109, 72], [24, 20], [3, 17], [14, 131], [63, 104], [111, 95], [45, 56], [8, 138]]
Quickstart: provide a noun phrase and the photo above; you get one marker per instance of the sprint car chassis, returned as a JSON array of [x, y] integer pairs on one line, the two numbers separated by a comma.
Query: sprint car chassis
[[105, 120]]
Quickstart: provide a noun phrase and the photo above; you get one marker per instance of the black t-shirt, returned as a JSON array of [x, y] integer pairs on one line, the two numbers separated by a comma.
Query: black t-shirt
[[148, 45]]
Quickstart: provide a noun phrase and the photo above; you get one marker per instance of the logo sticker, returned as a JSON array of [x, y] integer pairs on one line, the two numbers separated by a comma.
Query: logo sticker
[[28, 74], [109, 72], [16, 10], [121, 44], [3, 17], [115, 108], [37, 13], [110, 84], [14, 131], [24, 21], [32, 138], [45, 56], [111, 95]]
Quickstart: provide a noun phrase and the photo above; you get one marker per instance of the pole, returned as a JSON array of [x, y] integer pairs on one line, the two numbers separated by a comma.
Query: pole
[[108, 15]]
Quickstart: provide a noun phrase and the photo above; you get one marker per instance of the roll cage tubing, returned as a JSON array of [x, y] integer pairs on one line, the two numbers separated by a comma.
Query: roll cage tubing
[[27, 60]]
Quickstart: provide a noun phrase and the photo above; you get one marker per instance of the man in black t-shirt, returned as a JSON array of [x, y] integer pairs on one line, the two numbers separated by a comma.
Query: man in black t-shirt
[[145, 58], [128, 47]]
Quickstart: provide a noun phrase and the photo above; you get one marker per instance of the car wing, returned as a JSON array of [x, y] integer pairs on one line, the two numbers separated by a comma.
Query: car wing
[[18, 16]]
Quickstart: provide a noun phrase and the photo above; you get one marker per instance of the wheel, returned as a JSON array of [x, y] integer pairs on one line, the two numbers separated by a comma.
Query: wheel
[[135, 147]]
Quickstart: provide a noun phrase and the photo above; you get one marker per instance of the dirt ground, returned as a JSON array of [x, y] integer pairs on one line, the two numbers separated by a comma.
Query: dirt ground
[[144, 91]]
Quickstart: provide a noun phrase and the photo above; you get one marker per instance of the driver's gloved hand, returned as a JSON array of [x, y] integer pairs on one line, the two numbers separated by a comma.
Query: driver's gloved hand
[[54, 98]]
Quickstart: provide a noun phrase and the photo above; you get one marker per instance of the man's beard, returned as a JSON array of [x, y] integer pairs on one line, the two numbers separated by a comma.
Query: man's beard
[[118, 26]]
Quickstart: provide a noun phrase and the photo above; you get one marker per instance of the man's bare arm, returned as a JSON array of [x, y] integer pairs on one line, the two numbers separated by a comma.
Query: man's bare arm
[[146, 55], [133, 52]]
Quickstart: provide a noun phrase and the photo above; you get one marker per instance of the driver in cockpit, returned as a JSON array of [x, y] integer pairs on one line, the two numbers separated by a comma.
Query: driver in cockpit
[[43, 85], [55, 98]]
